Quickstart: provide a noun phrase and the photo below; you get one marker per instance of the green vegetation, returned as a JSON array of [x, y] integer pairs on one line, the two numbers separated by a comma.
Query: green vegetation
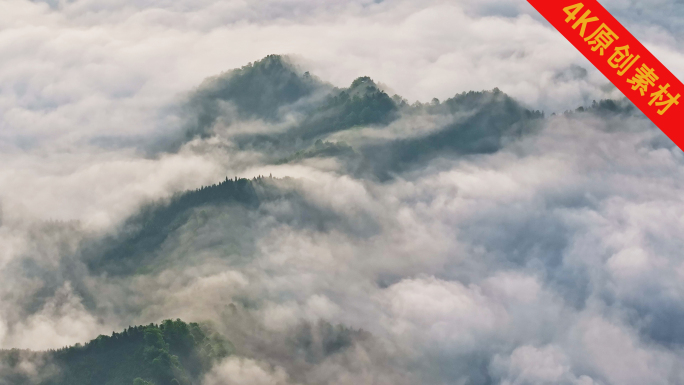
[[133, 248], [308, 110], [483, 123], [606, 107], [273, 89], [171, 353], [363, 103], [323, 150], [256, 90]]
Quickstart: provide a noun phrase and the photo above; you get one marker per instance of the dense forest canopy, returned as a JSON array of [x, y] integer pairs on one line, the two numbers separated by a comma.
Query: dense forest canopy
[[170, 353], [310, 111]]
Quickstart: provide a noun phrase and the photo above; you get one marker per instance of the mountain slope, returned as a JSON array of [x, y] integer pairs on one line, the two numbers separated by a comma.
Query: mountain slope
[[134, 247], [255, 91], [297, 110], [171, 353], [483, 122]]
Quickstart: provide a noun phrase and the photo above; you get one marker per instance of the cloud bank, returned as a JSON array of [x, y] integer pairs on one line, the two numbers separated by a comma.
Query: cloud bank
[[552, 256]]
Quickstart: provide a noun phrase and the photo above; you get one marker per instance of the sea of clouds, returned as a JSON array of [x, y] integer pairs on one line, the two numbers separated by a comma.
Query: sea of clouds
[[556, 260]]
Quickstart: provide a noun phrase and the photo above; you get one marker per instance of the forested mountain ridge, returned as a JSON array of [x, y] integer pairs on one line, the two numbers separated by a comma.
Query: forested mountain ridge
[[226, 238], [170, 353], [304, 110], [369, 135], [140, 236], [141, 243], [256, 90], [365, 129]]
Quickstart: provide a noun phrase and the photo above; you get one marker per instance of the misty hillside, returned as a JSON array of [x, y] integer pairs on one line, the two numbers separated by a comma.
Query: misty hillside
[[308, 110], [342, 192], [173, 353], [223, 212], [134, 248], [454, 241], [258, 90], [170, 353], [315, 121], [362, 126]]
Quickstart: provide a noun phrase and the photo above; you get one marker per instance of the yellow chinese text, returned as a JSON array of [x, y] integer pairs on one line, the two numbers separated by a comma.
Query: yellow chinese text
[[644, 78], [658, 97], [622, 59], [602, 38]]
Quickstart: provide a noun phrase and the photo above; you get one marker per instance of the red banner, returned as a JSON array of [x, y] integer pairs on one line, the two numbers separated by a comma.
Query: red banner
[[622, 59]]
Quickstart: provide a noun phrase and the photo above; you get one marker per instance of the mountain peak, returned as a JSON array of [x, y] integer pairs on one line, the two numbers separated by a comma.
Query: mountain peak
[[363, 81], [273, 63], [362, 85], [257, 90]]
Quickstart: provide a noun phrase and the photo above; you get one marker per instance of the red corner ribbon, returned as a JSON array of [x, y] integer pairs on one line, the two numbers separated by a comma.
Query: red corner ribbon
[[622, 59]]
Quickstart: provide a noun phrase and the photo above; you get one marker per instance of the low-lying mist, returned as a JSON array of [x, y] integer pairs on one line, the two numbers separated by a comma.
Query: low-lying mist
[[339, 236]]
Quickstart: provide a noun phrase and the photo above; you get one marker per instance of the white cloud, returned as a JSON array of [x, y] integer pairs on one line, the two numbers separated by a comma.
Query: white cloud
[[555, 260], [62, 320], [245, 371], [538, 366]]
